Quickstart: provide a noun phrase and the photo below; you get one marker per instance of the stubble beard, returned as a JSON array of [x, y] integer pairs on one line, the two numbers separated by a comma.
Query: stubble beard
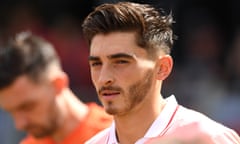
[[135, 95], [47, 129], [41, 131]]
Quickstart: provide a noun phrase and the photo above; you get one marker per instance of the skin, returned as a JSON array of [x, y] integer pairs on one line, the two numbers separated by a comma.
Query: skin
[[128, 82], [31, 105], [44, 109]]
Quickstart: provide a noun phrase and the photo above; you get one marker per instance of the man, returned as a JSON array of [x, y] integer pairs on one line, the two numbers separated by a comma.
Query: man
[[129, 59], [35, 91]]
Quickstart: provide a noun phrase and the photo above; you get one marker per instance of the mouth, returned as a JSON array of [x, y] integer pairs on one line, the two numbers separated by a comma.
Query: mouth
[[109, 94]]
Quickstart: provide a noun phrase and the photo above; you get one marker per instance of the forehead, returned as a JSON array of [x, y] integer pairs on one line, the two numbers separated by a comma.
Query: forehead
[[116, 42], [21, 91]]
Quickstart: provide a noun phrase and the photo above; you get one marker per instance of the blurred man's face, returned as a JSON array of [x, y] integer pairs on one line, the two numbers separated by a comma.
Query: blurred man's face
[[31, 105]]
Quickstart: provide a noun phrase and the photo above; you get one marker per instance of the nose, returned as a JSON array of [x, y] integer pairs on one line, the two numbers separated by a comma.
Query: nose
[[106, 76], [20, 121]]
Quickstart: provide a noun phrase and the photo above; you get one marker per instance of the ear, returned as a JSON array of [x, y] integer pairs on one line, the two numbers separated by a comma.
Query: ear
[[165, 64], [60, 82]]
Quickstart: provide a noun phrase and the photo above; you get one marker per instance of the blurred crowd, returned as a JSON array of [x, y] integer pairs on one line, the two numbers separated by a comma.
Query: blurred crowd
[[206, 76]]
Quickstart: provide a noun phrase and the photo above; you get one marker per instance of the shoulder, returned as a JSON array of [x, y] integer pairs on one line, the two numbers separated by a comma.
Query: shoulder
[[98, 117], [190, 122], [100, 137], [98, 111]]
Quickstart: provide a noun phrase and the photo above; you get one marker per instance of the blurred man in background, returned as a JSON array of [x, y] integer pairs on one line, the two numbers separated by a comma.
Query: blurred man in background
[[35, 91]]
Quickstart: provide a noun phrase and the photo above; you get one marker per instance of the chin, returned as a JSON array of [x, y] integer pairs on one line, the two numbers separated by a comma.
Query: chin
[[111, 110]]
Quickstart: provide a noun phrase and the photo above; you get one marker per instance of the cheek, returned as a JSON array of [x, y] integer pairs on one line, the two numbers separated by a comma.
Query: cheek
[[44, 105], [94, 77], [43, 111], [130, 75], [37, 112]]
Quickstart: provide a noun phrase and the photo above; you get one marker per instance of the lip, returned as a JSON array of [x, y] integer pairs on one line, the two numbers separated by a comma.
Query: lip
[[109, 94]]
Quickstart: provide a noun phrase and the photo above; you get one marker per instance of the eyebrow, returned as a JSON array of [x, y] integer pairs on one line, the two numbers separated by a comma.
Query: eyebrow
[[113, 56]]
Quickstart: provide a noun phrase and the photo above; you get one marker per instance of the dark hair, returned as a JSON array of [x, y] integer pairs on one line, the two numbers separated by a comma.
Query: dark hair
[[152, 27], [26, 54]]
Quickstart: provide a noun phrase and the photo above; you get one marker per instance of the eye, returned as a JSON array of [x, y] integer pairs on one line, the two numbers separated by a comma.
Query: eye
[[93, 64], [27, 107], [122, 61]]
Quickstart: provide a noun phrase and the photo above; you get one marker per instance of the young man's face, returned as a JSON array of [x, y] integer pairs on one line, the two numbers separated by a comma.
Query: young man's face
[[121, 72], [31, 105]]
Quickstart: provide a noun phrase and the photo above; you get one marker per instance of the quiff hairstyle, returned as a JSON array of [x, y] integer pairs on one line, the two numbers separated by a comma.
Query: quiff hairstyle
[[152, 27]]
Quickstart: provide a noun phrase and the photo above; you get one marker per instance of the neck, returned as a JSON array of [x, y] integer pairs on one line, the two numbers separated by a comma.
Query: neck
[[134, 125], [72, 112]]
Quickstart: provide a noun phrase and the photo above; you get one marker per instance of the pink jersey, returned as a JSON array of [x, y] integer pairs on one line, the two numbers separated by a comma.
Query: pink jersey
[[177, 121]]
